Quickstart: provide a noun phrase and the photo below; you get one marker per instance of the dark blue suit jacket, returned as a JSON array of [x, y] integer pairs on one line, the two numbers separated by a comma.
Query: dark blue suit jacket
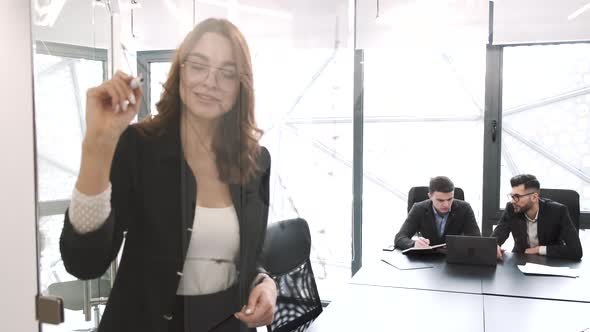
[[421, 219]]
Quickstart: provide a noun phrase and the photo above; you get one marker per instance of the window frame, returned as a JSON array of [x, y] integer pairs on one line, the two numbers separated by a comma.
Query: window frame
[[144, 61]]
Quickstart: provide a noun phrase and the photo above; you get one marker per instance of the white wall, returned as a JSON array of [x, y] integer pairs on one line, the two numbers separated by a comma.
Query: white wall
[[18, 278]]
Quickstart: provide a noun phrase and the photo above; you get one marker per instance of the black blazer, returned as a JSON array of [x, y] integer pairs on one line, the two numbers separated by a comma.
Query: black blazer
[[148, 177], [554, 228], [421, 219]]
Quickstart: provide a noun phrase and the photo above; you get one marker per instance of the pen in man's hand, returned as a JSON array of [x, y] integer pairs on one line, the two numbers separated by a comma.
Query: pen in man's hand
[[425, 240]]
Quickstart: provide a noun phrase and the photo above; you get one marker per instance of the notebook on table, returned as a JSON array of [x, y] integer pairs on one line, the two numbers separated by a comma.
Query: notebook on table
[[424, 250]]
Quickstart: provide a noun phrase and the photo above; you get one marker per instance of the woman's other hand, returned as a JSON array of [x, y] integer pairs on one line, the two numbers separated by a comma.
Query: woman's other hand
[[261, 304]]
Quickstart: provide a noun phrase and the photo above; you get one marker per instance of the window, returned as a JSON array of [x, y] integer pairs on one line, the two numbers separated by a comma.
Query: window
[[546, 117], [60, 96]]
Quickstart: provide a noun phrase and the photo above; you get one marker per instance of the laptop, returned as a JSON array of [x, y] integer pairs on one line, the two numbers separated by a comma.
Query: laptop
[[463, 249]]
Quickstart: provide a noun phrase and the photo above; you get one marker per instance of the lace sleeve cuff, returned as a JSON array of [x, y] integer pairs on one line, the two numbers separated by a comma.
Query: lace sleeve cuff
[[88, 213]]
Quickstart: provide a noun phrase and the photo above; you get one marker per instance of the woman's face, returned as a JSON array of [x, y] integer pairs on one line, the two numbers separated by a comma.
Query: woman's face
[[209, 77]]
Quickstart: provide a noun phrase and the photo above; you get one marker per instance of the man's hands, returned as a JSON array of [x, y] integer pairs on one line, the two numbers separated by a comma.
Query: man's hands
[[260, 310], [530, 251], [421, 243], [500, 253]]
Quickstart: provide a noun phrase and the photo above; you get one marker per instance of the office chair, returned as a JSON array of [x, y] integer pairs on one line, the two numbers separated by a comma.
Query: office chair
[[418, 194], [285, 255], [567, 197]]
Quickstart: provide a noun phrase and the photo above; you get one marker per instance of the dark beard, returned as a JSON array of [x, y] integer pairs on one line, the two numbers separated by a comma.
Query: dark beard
[[525, 208]]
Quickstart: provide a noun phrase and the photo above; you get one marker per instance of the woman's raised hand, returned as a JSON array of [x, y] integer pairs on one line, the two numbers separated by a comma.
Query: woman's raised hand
[[110, 107]]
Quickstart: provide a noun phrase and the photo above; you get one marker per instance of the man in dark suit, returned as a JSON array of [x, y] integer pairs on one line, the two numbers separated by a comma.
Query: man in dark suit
[[539, 226], [435, 218]]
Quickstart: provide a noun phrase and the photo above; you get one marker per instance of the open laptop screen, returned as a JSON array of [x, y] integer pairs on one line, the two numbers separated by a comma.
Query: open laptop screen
[[464, 249]]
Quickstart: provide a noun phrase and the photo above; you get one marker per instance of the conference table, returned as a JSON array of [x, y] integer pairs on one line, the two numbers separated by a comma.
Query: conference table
[[425, 293], [503, 279]]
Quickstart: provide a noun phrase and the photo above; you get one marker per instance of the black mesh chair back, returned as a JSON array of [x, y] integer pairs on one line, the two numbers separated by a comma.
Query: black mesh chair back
[[418, 194], [567, 197], [285, 256]]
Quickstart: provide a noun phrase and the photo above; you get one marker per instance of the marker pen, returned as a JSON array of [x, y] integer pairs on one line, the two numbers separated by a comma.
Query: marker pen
[[134, 84]]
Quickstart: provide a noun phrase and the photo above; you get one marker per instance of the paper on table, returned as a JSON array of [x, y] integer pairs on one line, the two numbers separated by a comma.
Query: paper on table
[[402, 262], [538, 269], [407, 265]]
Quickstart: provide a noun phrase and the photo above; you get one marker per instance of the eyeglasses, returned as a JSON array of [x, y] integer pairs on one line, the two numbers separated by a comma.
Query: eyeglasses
[[198, 72], [517, 197]]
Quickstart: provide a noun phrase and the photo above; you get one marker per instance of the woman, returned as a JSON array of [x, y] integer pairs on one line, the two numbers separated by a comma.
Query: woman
[[188, 190]]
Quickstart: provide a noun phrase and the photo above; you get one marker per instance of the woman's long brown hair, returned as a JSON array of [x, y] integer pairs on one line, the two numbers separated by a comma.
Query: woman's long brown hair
[[235, 142]]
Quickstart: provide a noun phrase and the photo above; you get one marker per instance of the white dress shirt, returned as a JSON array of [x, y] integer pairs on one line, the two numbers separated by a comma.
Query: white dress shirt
[[532, 232]]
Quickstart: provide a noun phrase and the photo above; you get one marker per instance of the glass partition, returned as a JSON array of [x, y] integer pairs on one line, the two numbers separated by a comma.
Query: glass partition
[[424, 75], [303, 77], [67, 61], [303, 84], [422, 84]]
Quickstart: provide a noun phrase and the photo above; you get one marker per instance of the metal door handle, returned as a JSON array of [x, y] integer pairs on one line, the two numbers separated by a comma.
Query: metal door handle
[[494, 130]]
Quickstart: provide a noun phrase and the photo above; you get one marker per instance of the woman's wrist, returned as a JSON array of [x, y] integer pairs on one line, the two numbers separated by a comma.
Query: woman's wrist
[[260, 277], [95, 167], [263, 278], [97, 146], [268, 280]]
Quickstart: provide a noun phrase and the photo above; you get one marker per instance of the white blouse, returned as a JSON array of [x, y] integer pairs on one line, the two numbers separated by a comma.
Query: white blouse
[[210, 264]]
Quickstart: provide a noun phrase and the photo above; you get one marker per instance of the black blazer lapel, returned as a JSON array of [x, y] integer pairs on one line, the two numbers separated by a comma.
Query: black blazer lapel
[[541, 223], [173, 169], [520, 226], [188, 201], [237, 196], [235, 191], [450, 221]]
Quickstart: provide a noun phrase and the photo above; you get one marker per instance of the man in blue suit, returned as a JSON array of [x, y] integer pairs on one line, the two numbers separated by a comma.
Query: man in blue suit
[[438, 216]]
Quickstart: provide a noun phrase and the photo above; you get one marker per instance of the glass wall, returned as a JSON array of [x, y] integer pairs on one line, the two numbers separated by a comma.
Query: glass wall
[[60, 94], [424, 67], [303, 88], [546, 117], [423, 107], [66, 63], [311, 149]]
